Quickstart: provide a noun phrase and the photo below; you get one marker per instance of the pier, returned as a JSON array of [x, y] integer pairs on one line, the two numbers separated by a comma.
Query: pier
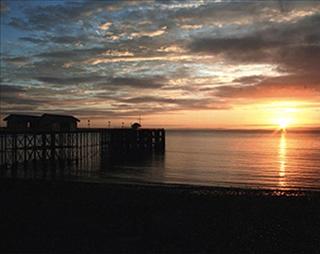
[[76, 146]]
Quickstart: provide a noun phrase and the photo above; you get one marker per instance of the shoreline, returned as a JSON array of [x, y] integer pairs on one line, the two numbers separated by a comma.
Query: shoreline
[[177, 187], [64, 216]]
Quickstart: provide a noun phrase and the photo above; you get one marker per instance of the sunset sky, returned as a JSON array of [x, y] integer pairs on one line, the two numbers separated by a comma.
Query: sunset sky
[[178, 64]]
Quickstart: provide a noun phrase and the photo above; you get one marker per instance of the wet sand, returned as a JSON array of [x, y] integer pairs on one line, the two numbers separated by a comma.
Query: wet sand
[[39, 216]]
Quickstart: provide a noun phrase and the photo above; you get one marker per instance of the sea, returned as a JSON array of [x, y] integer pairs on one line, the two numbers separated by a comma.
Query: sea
[[242, 159], [245, 159]]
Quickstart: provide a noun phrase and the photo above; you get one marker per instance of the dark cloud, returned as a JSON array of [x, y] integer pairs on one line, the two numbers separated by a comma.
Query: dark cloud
[[73, 53], [244, 13], [265, 44], [284, 87], [20, 60], [148, 99], [301, 58], [19, 23], [234, 45], [223, 11], [249, 79], [155, 82], [178, 103], [16, 95], [7, 89], [33, 40], [71, 80], [292, 47], [20, 100], [242, 50], [105, 81], [67, 39], [58, 16], [3, 7], [165, 100]]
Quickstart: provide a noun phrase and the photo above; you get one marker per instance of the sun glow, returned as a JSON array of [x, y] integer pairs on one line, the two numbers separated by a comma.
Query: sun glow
[[286, 114], [283, 123]]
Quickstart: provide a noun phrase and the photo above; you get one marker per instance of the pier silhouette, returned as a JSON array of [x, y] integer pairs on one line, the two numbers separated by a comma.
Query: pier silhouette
[[28, 143]]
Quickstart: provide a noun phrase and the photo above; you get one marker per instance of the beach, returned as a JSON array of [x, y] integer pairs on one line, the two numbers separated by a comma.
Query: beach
[[64, 216]]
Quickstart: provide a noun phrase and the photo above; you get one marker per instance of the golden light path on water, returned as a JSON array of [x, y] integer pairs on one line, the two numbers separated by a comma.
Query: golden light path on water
[[282, 152]]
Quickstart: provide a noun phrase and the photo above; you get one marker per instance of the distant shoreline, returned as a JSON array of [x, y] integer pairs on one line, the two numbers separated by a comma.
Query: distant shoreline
[[293, 130], [258, 130], [200, 189], [168, 187]]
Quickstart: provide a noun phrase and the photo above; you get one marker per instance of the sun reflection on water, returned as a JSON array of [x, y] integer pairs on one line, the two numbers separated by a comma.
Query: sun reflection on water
[[282, 159]]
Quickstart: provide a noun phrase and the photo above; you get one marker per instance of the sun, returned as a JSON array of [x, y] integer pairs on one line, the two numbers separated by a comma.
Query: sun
[[283, 123], [285, 115]]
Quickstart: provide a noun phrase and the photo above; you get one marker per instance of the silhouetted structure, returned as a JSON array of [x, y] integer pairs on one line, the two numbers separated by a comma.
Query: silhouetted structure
[[58, 122], [51, 138], [19, 122], [22, 147], [47, 122], [136, 126]]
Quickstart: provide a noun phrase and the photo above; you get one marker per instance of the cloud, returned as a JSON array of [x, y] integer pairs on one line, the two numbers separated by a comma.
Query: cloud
[[105, 26], [71, 80], [73, 53], [239, 13], [148, 99], [179, 103], [33, 40], [247, 80], [8, 89], [164, 58], [105, 81], [191, 27], [234, 45], [284, 87], [16, 95], [18, 61], [301, 58], [67, 39], [55, 17], [151, 83], [266, 44], [292, 48], [150, 33], [3, 7], [250, 49], [19, 23]]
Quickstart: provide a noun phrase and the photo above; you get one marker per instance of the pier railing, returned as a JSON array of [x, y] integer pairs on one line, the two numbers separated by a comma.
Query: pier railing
[[74, 146]]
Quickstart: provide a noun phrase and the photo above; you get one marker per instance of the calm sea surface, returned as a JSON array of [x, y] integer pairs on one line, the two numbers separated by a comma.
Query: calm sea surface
[[217, 158], [229, 159]]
